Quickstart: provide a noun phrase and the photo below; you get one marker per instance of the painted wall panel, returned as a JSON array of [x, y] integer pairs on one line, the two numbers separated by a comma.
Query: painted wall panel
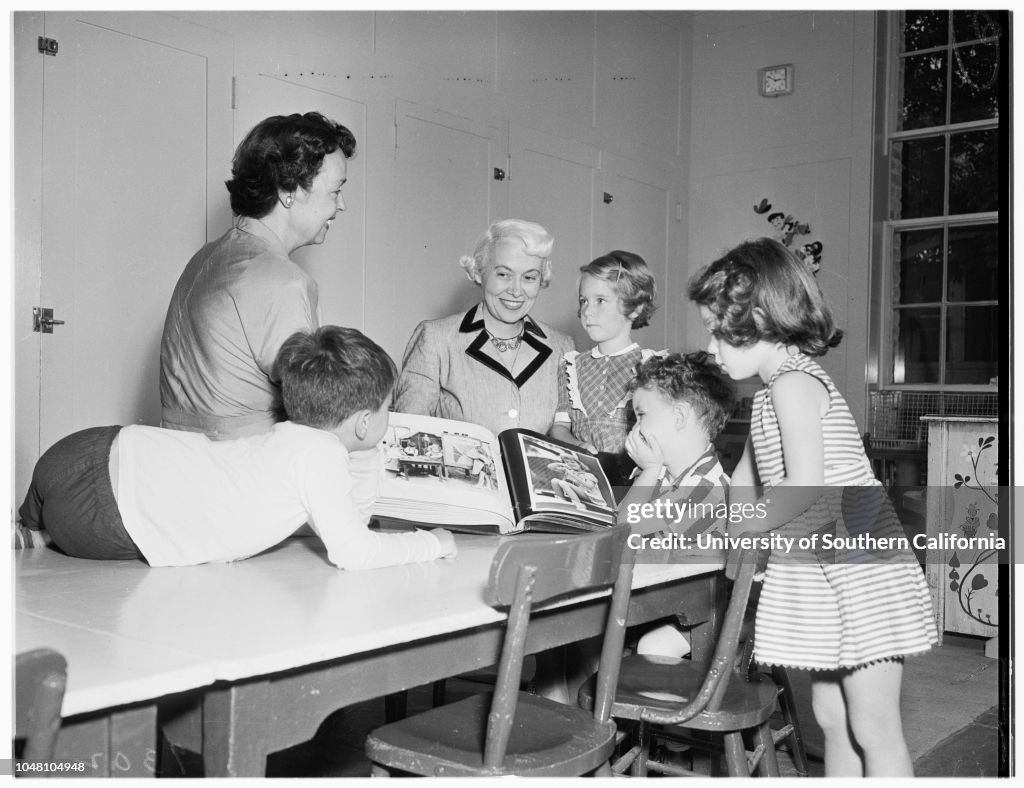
[[546, 60], [638, 63]]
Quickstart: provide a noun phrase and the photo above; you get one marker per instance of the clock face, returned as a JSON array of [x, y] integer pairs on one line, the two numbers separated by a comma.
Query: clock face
[[776, 81]]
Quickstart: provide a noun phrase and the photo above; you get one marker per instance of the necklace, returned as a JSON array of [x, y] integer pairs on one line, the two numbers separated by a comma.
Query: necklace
[[511, 343]]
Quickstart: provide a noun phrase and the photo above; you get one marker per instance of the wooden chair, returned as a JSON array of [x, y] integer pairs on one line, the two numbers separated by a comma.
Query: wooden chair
[[786, 722], [509, 732], [724, 698], [788, 729], [39, 680]]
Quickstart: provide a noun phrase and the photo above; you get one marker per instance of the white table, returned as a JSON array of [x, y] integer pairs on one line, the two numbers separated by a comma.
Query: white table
[[281, 640]]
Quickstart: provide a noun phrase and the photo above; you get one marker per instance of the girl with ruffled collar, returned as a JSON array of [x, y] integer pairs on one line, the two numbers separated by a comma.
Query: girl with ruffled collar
[[616, 295]]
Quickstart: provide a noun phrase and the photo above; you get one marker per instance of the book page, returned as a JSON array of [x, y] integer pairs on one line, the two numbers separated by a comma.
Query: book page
[[441, 471], [564, 479]]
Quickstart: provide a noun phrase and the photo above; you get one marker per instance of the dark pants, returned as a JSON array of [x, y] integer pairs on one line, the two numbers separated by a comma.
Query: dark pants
[[71, 497]]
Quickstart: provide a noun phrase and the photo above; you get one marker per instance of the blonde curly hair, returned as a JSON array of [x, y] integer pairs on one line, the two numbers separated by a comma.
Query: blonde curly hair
[[537, 242]]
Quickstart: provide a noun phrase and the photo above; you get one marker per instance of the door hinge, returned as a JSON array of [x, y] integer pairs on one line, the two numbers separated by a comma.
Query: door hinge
[[42, 320], [48, 46]]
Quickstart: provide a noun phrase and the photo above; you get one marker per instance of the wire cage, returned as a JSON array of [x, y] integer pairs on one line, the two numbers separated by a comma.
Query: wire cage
[[894, 417]]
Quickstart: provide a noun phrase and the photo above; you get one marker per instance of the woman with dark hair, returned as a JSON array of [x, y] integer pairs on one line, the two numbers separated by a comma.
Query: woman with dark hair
[[241, 296]]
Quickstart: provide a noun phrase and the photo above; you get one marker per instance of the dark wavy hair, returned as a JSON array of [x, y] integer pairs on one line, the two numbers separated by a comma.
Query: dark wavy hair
[[630, 278], [694, 378], [331, 373], [282, 153], [762, 291]]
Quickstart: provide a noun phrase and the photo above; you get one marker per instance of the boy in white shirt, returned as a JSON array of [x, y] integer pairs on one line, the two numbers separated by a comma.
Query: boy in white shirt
[[177, 498]]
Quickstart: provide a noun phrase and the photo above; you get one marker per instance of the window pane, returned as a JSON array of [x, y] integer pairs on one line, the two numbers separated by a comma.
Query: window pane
[[972, 25], [973, 263], [973, 177], [972, 344], [922, 91], [918, 174], [975, 92], [917, 273], [945, 279], [915, 350], [924, 29]]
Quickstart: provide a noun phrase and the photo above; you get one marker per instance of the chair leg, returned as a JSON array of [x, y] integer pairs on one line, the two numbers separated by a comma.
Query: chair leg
[[787, 706], [643, 741], [769, 764], [736, 755], [625, 761]]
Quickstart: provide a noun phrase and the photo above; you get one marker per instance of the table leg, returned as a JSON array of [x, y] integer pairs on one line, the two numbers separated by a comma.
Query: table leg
[[119, 744], [236, 745], [701, 610], [395, 706], [181, 726]]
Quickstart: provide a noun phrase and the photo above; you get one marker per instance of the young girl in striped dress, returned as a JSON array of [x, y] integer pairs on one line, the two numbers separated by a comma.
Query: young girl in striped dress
[[850, 616]]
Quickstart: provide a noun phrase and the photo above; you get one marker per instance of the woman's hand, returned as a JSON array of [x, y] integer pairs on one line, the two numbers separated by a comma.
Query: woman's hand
[[644, 450]]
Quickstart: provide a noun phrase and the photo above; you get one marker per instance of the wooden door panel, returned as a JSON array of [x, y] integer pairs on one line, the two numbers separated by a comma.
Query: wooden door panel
[[637, 220], [445, 196], [26, 207], [124, 209], [554, 182], [135, 107]]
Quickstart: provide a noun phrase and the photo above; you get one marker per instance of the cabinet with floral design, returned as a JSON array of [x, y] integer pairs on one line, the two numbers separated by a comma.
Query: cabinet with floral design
[[962, 524]]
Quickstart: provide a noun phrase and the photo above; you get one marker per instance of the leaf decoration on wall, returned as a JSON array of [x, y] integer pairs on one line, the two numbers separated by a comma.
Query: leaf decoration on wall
[[785, 227]]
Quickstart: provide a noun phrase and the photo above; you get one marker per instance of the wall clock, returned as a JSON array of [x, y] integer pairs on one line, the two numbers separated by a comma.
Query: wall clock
[[775, 80]]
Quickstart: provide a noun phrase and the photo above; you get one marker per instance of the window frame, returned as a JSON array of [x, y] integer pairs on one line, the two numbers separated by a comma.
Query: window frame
[[881, 359]]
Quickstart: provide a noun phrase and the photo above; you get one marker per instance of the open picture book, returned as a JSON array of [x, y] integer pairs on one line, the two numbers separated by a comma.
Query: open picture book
[[461, 476]]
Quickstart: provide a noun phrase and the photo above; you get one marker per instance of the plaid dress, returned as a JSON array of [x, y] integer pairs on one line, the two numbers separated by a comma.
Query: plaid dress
[[593, 395]]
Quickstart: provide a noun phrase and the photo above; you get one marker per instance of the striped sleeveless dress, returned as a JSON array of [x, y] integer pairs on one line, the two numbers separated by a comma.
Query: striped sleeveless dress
[[839, 609]]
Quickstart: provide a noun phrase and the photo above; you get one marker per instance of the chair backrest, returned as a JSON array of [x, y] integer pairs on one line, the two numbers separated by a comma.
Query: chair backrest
[[528, 571], [39, 680], [741, 567]]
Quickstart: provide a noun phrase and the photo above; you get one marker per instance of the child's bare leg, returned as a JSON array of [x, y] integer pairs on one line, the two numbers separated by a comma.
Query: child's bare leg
[[873, 704], [842, 759]]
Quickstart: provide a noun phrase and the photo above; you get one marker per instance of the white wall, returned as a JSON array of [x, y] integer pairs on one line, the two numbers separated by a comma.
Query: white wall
[[572, 105], [809, 153], [659, 110], [607, 84]]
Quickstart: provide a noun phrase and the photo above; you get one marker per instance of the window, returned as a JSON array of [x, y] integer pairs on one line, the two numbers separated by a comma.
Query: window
[[940, 283]]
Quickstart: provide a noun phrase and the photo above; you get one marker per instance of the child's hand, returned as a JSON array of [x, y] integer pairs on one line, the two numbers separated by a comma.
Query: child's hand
[[644, 450], [447, 540]]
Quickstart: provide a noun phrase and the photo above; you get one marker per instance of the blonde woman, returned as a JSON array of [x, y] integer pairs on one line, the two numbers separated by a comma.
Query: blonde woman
[[494, 365]]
